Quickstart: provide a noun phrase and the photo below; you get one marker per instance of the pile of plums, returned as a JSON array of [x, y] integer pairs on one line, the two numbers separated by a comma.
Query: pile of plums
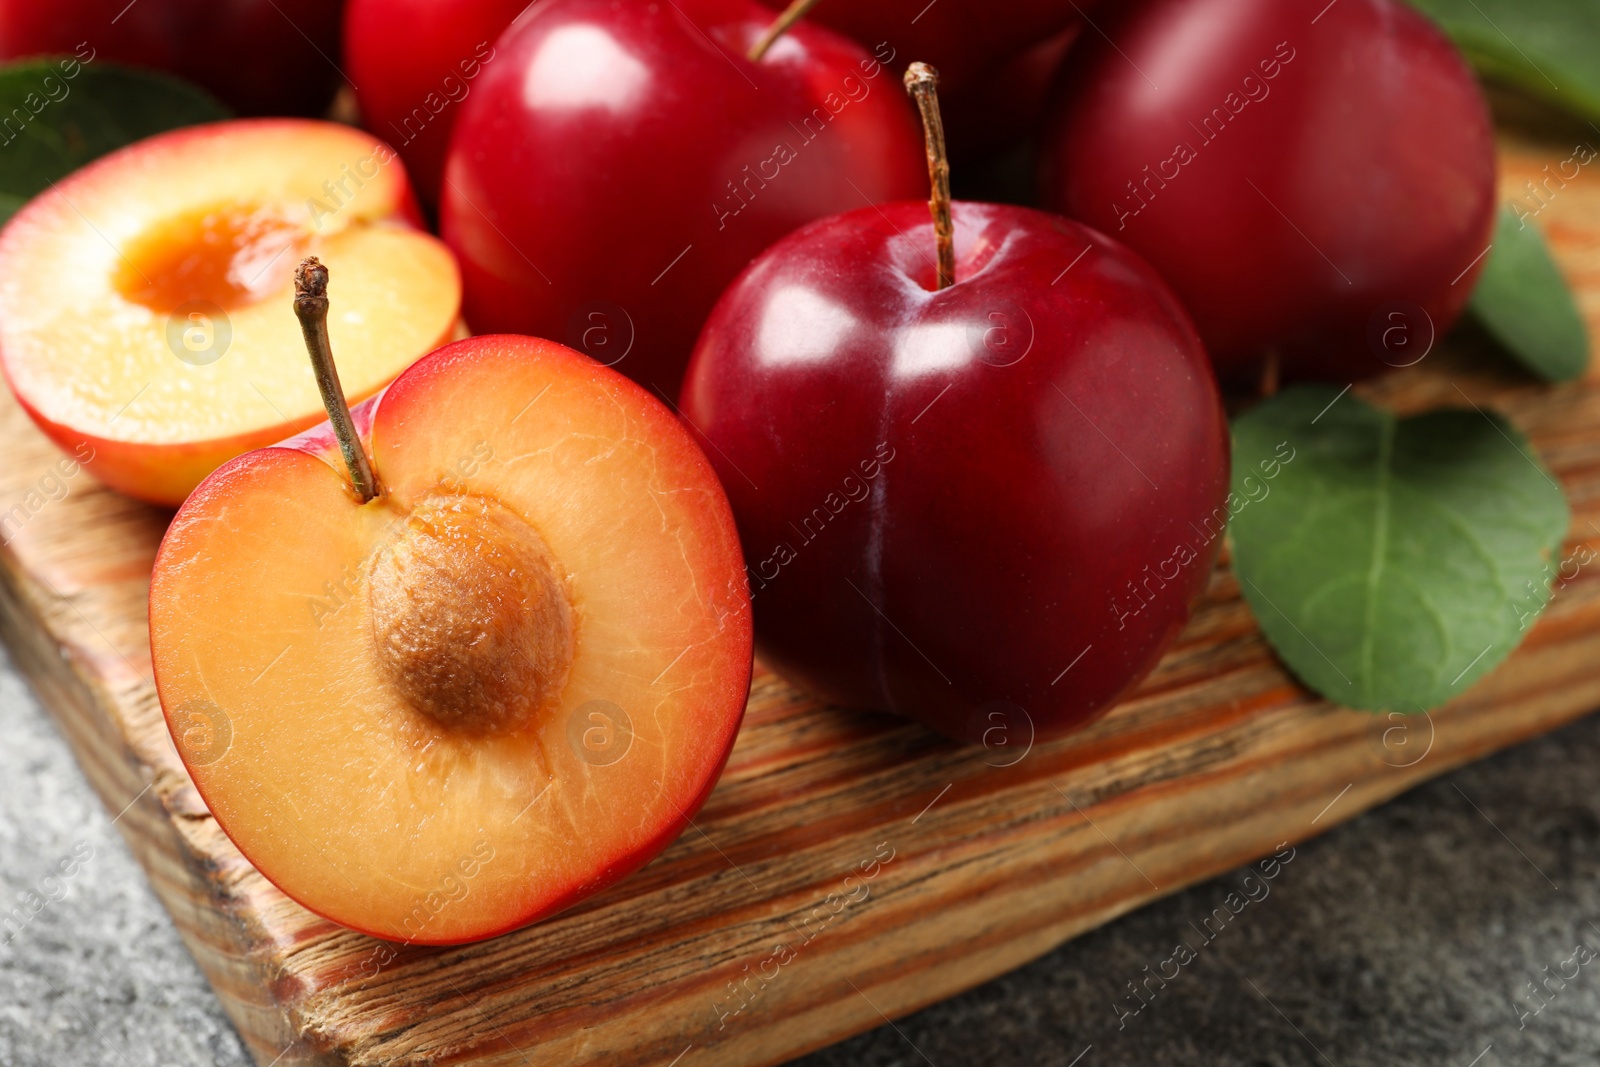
[[973, 457], [998, 494]]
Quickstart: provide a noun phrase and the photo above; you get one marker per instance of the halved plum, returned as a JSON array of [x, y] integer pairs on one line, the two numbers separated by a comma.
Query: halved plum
[[142, 298], [505, 682]]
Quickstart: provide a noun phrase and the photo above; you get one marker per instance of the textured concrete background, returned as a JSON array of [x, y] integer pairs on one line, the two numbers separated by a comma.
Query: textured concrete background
[[1408, 936]]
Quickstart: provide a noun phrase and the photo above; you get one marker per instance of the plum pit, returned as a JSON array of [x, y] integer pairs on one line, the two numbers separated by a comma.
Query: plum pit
[[472, 625]]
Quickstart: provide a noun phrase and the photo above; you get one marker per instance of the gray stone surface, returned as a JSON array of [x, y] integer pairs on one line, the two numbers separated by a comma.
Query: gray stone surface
[[1404, 937], [97, 976], [1408, 936]]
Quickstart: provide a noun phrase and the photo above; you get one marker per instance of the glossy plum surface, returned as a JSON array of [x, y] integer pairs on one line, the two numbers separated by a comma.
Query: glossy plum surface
[[1003, 495], [276, 547], [618, 164], [1313, 179], [965, 39], [262, 57], [413, 63]]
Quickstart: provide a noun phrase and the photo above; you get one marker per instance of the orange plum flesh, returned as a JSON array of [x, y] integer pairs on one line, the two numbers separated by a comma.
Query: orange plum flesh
[[143, 299], [499, 686]]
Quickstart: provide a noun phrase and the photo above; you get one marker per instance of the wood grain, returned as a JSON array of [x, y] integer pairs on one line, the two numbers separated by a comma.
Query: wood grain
[[847, 868]]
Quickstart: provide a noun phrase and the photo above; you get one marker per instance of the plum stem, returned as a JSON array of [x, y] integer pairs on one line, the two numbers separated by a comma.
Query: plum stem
[[311, 308], [922, 82], [1271, 374], [780, 26]]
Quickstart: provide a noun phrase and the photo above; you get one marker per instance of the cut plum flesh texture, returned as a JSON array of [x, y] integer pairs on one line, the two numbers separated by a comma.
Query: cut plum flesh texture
[[145, 300], [502, 684]]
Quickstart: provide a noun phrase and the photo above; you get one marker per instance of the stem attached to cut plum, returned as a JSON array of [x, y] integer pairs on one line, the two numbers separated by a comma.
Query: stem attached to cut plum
[[922, 82], [311, 308], [791, 15]]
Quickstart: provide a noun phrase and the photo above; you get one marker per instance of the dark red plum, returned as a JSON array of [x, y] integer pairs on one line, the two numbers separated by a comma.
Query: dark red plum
[[1315, 180], [954, 504]]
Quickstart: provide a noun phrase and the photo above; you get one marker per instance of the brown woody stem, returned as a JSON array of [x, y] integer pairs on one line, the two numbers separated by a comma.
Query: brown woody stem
[[780, 26], [922, 82], [1271, 375], [311, 308]]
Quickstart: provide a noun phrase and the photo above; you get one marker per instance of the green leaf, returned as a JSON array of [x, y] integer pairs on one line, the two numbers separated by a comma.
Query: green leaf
[[1390, 562], [58, 114], [1547, 48], [1523, 300]]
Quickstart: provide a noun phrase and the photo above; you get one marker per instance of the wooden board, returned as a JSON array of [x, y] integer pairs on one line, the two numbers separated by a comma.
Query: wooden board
[[962, 868]]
